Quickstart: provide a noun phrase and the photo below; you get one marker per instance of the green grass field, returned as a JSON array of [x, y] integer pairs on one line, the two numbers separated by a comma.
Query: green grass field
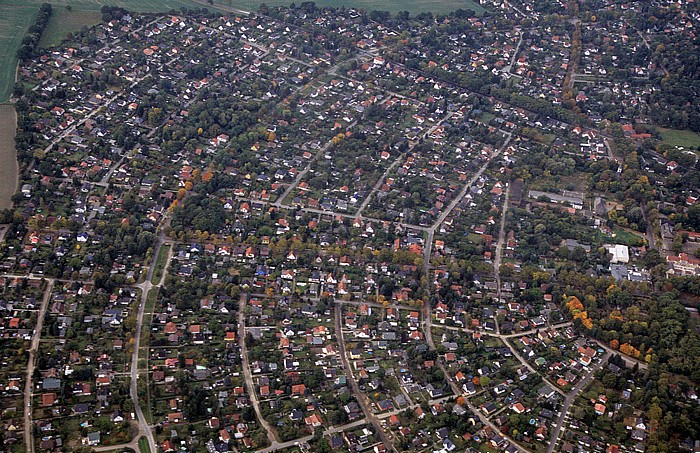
[[14, 22], [63, 22], [680, 138], [146, 6], [8, 156]]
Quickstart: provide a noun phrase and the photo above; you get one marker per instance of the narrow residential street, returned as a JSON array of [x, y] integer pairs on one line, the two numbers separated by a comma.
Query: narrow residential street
[[570, 399], [31, 364], [499, 250], [250, 385], [427, 254], [361, 399], [145, 287]]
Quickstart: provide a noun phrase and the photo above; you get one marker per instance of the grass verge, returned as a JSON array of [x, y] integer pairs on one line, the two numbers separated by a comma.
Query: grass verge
[[143, 445], [145, 339], [393, 6], [161, 262]]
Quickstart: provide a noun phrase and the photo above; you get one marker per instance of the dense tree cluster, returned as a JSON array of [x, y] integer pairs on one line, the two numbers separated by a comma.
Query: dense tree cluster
[[31, 40], [200, 213]]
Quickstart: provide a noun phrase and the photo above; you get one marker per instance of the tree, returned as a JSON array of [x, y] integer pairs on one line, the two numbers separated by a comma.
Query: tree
[[155, 116], [693, 217]]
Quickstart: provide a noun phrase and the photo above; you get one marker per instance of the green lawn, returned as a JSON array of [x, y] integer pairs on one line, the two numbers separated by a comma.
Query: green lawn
[[8, 156], [145, 340], [683, 138], [628, 238], [147, 6]]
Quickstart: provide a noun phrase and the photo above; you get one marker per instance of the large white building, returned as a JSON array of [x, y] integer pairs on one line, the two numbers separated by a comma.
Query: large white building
[[620, 253]]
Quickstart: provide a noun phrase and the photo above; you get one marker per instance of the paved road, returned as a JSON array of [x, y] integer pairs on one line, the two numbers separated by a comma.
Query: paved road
[[359, 396], [399, 159], [490, 424], [509, 68], [134, 445], [3, 231], [381, 180], [499, 251], [650, 228], [570, 398], [301, 440], [530, 367], [646, 43], [426, 322], [509, 335], [31, 364], [145, 287], [300, 176], [274, 443]]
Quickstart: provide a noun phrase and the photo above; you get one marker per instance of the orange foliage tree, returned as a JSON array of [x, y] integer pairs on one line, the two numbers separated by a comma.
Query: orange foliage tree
[[630, 350], [578, 311]]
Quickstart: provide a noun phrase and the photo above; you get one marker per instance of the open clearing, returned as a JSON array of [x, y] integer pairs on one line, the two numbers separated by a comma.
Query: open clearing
[[148, 6], [8, 155], [676, 137]]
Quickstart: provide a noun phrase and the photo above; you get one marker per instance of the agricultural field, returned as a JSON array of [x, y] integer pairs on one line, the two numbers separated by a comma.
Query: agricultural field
[[148, 6], [14, 22], [64, 21]]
